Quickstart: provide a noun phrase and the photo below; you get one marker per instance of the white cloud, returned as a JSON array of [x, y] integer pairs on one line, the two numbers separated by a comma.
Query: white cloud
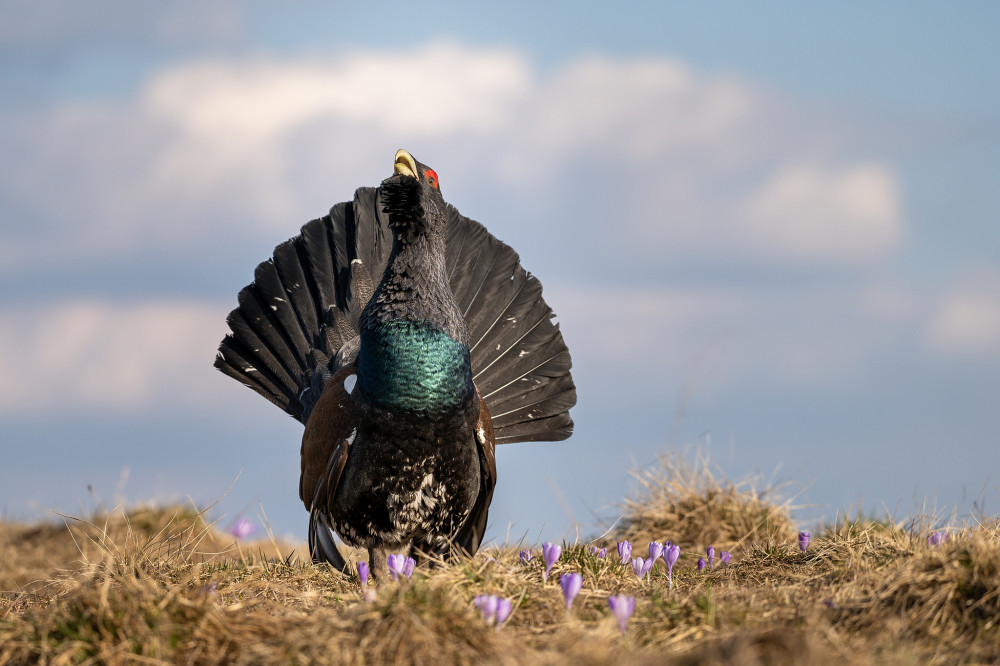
[[228, 113], [439, 89], [111, 357], [671, 158], [810, 212], [966, 321]]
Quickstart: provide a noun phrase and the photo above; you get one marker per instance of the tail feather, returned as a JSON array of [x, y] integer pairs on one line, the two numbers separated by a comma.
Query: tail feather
[[291, 261], [552, 429], [231, 362], [245, 344], [257, 317], [274, 296], [372, 239], [319, 258], [304, 306], [519, 359]]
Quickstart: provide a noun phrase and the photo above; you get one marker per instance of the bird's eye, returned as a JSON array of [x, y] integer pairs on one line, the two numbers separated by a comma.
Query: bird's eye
[[432, 178]]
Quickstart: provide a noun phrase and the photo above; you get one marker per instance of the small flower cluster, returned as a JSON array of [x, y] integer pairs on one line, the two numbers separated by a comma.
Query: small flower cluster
[[400, 565], [725, 556], [622, 606], [495, 609], [937, 538], [666, 551]]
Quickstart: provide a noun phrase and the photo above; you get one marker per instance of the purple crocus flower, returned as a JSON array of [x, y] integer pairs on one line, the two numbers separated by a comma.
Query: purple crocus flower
[[570, 584], [701, 563], [725, 557], [711, 556], [504, 607], [624, 551], [670, 555], [602, 553], [551, 553], [803, 541], [526, 556], [638, 564], [655, 550], [363, 574], [408, 565], [622, 606], [487, 605], [937, 538], [494, 609], [396, 564], [241, 528]]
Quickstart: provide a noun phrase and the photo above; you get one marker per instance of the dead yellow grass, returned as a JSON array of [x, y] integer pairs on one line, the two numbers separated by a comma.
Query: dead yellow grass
[[685, 501], [160, 586]]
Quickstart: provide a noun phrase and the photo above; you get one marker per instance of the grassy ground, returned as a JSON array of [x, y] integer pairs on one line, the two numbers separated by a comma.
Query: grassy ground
[[153, 586]]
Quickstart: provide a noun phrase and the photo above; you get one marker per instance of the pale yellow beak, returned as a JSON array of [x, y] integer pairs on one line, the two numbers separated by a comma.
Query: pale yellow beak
[[405, 164]]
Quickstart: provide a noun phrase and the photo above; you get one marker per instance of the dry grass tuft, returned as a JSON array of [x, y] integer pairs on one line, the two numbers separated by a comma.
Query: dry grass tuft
[[161, 586], [684, 501]]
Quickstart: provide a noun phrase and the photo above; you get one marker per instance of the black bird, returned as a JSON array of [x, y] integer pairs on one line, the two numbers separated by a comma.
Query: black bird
[[453, 350]]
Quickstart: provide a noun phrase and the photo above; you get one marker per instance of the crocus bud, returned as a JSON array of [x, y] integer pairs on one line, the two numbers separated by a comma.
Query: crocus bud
[[624, 551], [504, 607], [570, 584], [622, 607], [363, 574], [671, 555], [551, 553]]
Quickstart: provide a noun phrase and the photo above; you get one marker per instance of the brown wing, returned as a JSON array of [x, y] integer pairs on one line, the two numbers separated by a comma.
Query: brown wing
[[471, 535], [325, 444]]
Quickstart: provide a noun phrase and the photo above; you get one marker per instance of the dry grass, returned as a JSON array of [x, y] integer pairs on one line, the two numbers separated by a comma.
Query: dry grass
[[160, 586]]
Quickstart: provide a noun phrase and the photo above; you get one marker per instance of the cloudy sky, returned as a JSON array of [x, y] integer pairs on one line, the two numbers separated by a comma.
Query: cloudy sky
[[768, 230]]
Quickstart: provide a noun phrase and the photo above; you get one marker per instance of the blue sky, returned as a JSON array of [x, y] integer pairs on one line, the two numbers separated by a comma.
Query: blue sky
[[769, 230]]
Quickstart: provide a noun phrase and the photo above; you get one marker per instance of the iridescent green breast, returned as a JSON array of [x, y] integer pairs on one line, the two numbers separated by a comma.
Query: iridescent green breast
[[410, 367]]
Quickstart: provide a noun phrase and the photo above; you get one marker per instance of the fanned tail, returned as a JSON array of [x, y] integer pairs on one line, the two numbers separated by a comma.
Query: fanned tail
[[297, 323], [304, 303]]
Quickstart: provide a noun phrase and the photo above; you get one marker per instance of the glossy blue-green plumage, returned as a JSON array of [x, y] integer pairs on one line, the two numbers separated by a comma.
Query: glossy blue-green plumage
[[410, 367]]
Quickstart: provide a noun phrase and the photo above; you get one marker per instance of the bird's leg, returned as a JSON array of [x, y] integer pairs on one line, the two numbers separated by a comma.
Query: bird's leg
[[377, 563]]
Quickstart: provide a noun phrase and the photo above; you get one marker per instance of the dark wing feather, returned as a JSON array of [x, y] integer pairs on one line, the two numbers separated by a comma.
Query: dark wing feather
[[325, 444], [470, 536]]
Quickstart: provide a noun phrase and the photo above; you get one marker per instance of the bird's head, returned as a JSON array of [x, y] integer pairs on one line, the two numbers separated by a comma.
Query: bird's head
[[412, 197]]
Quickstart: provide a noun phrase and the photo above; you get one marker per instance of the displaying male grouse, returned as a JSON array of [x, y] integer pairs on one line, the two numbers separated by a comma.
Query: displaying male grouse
[[453, 349]]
